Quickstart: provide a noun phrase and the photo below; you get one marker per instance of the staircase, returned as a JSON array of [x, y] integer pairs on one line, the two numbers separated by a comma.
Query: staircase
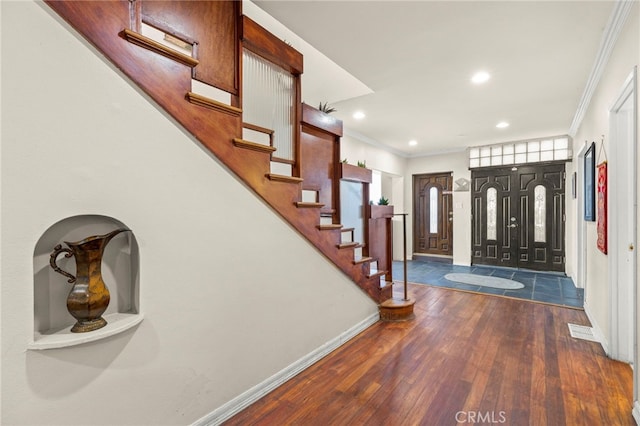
[[167, 76]]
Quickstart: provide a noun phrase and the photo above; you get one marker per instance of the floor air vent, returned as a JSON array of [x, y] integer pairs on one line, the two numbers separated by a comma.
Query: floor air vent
[[582, 332]]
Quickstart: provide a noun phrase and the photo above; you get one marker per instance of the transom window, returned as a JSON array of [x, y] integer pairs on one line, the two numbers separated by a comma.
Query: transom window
[[532, 151]]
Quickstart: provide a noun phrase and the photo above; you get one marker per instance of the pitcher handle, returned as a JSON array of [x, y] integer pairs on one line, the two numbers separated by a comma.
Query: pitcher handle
[[54, 256]]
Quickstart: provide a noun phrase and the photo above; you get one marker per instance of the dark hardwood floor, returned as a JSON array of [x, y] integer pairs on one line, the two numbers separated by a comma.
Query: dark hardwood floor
[[466, 359]]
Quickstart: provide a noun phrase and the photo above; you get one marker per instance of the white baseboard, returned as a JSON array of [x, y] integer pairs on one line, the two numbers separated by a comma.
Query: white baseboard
[[247, 398], [636, 411], [597, 331]]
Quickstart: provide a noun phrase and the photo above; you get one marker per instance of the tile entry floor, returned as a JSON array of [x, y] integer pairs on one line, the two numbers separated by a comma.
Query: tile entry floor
[[552, 288]]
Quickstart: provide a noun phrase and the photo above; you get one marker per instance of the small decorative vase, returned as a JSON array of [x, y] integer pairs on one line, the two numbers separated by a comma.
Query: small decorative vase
[[89, 297]]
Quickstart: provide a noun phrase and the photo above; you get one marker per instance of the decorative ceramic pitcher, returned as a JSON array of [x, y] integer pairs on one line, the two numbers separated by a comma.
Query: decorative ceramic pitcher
[[89, 297]]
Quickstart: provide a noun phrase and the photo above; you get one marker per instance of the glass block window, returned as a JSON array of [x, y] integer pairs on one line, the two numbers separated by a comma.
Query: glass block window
[[533, 151]]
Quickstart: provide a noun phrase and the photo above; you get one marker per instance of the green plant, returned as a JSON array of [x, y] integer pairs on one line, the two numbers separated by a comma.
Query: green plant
[[362, 163], [383, 201], [326, 108], [345, 161]]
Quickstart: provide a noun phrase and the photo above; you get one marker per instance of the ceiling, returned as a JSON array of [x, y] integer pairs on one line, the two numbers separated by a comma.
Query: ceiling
[[413, 62]]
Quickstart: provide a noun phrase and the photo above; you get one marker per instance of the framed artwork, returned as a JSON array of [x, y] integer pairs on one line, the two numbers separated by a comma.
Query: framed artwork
[[589, 183], [462, 185], [602, 207]]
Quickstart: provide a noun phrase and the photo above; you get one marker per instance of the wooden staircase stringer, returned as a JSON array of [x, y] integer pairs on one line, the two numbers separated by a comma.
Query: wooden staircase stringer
[[102, 24]]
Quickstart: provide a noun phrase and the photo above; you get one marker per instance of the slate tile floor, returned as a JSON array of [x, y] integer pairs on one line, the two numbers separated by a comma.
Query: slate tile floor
[[552, 288]]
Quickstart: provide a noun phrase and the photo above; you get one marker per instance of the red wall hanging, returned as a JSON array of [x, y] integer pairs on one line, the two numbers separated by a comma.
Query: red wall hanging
[[601, 185]]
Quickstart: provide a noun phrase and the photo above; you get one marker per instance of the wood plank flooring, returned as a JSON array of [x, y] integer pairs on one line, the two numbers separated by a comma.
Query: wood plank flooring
[[466, 359]]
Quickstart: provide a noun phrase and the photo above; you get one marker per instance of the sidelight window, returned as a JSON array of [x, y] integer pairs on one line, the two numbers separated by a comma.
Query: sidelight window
[[540, 214], [433, 210], [492, 214]]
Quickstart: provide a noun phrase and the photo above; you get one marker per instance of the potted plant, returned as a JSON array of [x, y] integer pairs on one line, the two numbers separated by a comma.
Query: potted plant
[[354, 173], [326, 108], [381, 210]]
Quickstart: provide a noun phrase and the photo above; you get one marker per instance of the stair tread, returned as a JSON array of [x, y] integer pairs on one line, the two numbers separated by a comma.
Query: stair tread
[[206, 102], [154, 46], [283, 178], [348, 244], [348, 229], [362, 260], [307, 204], [386, 284], [373, 274], [241, 143], [328, 226]]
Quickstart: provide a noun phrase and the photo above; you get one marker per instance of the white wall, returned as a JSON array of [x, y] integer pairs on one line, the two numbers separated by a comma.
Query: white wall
[[402, 170], [224, 309], [393, 169], [595, 124], [355, 150]]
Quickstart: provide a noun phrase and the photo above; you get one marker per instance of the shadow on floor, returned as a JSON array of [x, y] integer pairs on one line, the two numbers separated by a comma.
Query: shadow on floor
[[538, 286]]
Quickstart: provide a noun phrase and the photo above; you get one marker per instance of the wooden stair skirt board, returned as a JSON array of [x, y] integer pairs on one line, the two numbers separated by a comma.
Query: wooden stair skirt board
[[397, 310]]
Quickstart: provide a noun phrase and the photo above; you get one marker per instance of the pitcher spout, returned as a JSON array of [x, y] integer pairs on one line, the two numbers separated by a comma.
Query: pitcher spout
[[112, 234], [96, 240]]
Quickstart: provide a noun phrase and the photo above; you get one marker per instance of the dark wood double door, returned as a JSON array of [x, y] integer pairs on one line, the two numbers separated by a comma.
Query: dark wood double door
[[518, 216]]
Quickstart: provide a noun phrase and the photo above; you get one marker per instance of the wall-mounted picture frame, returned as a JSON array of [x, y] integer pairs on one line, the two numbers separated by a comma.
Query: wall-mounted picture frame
[[589, 183]]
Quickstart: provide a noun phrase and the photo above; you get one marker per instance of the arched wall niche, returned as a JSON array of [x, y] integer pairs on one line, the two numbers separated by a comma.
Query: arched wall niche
[[120, 272]]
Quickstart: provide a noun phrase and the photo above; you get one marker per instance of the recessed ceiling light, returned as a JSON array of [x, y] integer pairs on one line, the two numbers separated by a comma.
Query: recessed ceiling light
[[502, 125], [359, 115], [480, 77], [413, 142]]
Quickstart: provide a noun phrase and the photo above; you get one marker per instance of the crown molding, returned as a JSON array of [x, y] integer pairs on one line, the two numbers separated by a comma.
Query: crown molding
[[617, 19]]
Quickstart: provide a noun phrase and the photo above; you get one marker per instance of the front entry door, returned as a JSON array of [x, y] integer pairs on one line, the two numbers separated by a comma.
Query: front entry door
[[433, 218], [518, 217]]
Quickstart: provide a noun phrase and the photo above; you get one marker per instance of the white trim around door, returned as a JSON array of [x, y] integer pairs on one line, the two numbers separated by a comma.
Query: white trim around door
[[623, 128]]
